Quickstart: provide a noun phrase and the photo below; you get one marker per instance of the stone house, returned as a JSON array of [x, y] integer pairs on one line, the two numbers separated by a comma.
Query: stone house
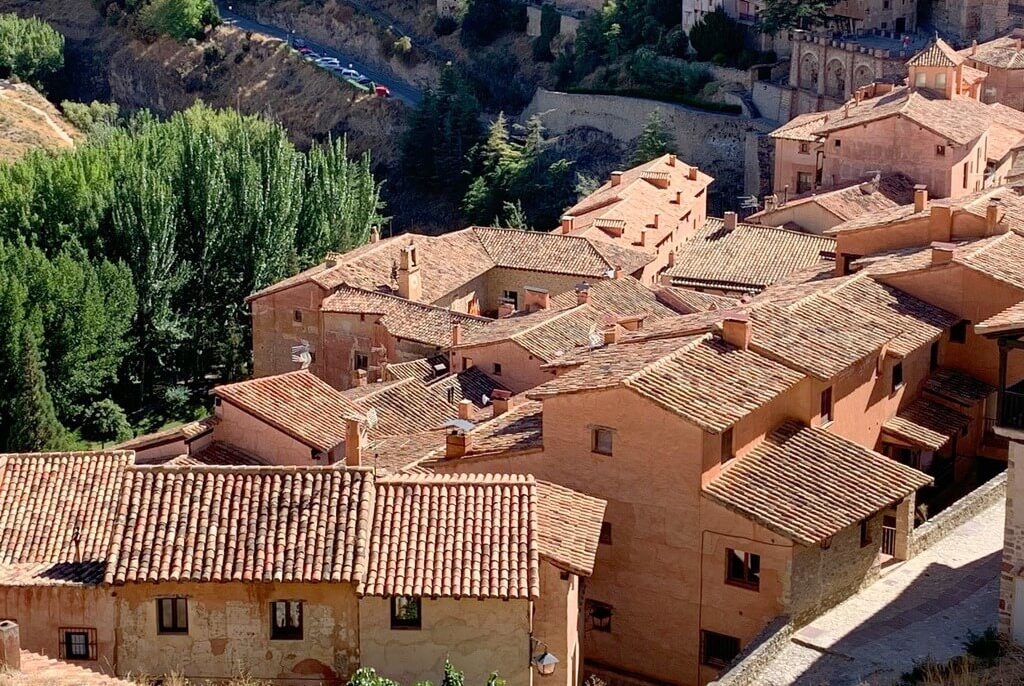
[[1002, 60], [967, 20]]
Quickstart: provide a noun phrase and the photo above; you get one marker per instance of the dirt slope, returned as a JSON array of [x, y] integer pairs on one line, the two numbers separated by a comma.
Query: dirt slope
[[28, 120]]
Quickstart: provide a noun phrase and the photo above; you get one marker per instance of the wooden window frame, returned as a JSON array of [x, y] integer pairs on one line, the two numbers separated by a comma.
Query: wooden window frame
[[402, 624], [594, 443], [65, 633], [175, 627], [827, 417], [719, 662], [287, 633], [745, 581], [355, 360]]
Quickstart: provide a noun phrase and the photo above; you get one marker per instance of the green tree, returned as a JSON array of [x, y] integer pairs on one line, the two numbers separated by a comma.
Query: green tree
[[106, 421], [654, 141], [452, 676], [92, 117], [29, 49], [717, 34], [179, 19], [778, 15], [36, 427]]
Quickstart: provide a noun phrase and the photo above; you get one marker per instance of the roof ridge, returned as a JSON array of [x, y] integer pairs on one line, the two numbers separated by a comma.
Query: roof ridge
[[665, 359], [557, 314], [253, 469], [427, 479], [414, 303], [51, 454], [394, 383]]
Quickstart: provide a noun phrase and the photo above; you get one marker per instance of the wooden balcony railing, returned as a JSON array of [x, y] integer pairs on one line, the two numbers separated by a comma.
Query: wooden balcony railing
[[1011, 411]]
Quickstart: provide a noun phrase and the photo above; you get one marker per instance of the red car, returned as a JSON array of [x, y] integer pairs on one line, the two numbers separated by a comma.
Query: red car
[[382, 91], [304, 50]]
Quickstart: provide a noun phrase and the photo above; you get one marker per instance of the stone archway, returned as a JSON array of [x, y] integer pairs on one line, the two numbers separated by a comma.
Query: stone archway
[[835, 79], [862, 76], [809, 71]]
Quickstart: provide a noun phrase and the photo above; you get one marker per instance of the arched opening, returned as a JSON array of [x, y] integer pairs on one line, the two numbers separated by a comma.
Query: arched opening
[[809, 71], [862, 76], [835, 79]]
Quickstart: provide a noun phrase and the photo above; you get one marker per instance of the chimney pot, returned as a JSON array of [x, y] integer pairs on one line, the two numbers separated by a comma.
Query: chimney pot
[[942, 253], [730, 221], [456, 334], [618, 272], [736, 330], [353, 443], [10, 646], [643, 235], [616, 178], [671, 160], [582, 293], [993, 215], [693, 174], [671, 258], [375, 234], [501, 401], [465, 409], [568, 223], [920, 197], [679, 197]]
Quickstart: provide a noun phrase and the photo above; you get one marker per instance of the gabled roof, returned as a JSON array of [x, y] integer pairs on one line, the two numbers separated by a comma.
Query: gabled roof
[[803, 127], [248, 524], [808, 484], [545, 334], [570, 527], [1002, 53], [927, 424], [622, 297], [938, 54], [748, 258], [297, 404], [403, 318], [57, 514], [961, 388], [186, 432], [1009, 320], [467, 536], [850, 201], [518, 430], [216, 453], [401, 452]]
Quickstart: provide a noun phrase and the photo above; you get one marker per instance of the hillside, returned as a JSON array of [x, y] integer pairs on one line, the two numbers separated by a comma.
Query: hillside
[[28, 120]]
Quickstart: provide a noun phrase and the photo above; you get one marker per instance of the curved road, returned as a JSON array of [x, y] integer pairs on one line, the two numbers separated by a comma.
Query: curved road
[[401, 90]]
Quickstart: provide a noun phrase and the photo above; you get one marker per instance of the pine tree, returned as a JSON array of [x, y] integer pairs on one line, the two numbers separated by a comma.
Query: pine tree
[[655, 140], [34, 424], [777, 15]]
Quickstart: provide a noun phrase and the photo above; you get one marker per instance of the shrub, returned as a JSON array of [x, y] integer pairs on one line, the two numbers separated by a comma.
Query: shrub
[[91, 117], [987, 647], [105, 421], [541, 49], [179, 19], [176, 400], [717, 33], [487, 20], [212, 54], [445, 26], [29, 49], [674, 43]]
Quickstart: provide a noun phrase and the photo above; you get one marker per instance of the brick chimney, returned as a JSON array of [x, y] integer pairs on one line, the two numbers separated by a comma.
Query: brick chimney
[[457, 444], [657, 220], [501, 401], [671, 160], [568, 223], [358, 377], [582, 293], [537, 299], [330, 262], [993, 215], [671, 258], [941, 222], [506, 309], [410, 286], [729, 219], [617, 272], [942, 253], [974, 47], [611, 335], [353, 443], [10, 646], [679, 197], [920, 197], [736, 330], [616, 178], [693, 174], [456, 334], [465, 409], [643, 235]]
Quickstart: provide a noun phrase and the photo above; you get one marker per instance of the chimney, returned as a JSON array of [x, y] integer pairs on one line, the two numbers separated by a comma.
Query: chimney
[[466, 409], [657, 220], [506, 309], [941, 221], [785, 194], [942, 253], [616, 178], [456, 334], [920, 197], [537, 299], [568, 223], [671, 258], [353, 443], [410, 286], [679, 197], [671, 160], [10, 646], [611, 335], [375, 234], [501, 401], [1018, 43], [736, 330], [643, 235], [693, 174], [974, 47], [993, 215], [457, 443], [617, 273], [331, 262], [730, 221], [582, 293], [358, 377], [769, 202]]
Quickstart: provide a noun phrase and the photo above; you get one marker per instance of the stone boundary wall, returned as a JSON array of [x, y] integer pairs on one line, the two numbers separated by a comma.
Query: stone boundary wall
[[978, 500], [746, 668]]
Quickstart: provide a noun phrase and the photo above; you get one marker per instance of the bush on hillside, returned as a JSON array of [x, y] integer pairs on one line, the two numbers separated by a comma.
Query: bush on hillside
[[717, 34], [179, 19], [29, 49]]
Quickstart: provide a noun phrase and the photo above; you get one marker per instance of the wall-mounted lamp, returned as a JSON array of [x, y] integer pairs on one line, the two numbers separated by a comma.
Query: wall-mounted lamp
[[544, 661]]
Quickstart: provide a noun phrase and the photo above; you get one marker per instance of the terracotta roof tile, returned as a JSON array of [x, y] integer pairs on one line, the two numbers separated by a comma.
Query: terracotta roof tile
[[255, 524], [216, 453], [464, 536], [748, 258], [808, 484], [957, 386], [938, 54], [559, 254], [803, 127], [545, 334], [1010, 319], [297, 404], [569, 527], [852, 200], [403, 451], [927, 424], [685, 300], [186, 432], [520, 429], [1001, 53], [623, 297]]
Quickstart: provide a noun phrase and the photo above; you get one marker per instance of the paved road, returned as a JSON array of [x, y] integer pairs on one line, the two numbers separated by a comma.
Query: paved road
[[401, 90], [920, 609]]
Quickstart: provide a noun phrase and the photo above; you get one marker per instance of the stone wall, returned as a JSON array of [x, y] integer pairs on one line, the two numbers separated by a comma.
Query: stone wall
[[746, 668], [714, 142], [1013, 546], [978, 500]]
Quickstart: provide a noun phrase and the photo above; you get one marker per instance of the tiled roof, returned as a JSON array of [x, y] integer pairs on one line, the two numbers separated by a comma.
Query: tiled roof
[[808, 484], [559, 254], [957, 386], [401, 452], [802, 127], [851, 201], [422, 368], [1010, 319], [297, 404], [255, 524], [623, 297], [545, 334], [927, 424], [186, 432], [975, 204], [1000, 258], [1001, 53], [403, 318], [57, 511], [938, 54], [467, 536], [686, 300], [750, 257], [570, 527], [518, 430], [216, 453], [53, 573]]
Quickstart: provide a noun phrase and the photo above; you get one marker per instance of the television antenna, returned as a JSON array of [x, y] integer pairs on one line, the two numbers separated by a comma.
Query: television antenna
[[594, 339], [301, 354], [484, 399]]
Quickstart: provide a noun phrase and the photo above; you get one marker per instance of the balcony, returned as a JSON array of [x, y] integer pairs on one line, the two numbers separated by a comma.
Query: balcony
[[1011, 408]]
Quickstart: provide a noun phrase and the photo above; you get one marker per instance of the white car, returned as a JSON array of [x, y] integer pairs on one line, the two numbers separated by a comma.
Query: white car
[[328, 62], [348, 73]]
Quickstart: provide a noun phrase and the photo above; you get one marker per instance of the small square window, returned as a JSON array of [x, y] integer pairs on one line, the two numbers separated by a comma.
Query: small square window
[[599, 615], [865, 533], [606, 533], [940, 150], [743, 569], [361, 361], [602, 440], [497, 369], [897, 376], [172, 615], [718, 650], [727, 446], [826, 406], [78, 644], [920, 79], [297, 315], [286, 620], [511, 297], [838, 143], [805, 148], [406, 612], [958, 333]]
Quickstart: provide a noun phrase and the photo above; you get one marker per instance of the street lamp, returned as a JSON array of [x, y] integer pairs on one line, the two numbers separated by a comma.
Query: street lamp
[[544, 661]]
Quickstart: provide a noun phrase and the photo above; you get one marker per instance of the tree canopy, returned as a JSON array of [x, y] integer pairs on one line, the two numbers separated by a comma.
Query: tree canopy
[[29, 49], [716, 33], [777, 15], [654, 141]]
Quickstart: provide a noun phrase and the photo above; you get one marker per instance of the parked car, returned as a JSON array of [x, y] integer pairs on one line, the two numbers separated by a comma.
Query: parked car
[[363, 81], [348, 72], [382, 92], [328, 62], [304, 50]]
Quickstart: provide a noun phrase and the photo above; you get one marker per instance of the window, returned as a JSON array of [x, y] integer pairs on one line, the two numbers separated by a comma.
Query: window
[[297, 315], [717, 650], [940, 80], [77, 644], [727, 451], [897, 376], [958, 333], [838, 143], [362, 361], [804, 182], [933, 359], [405, 613], [805, 148], [606, 533], [921, 79], [497, 369], [940, 150], [512, 297], [742, 569], [601, 440], [826, 406], [865, 533], [172, 615], [599, 615], [286, 620], [967, 172]]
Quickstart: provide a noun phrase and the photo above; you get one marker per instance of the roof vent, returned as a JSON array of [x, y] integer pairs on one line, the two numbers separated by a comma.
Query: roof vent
[[920, 197]]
